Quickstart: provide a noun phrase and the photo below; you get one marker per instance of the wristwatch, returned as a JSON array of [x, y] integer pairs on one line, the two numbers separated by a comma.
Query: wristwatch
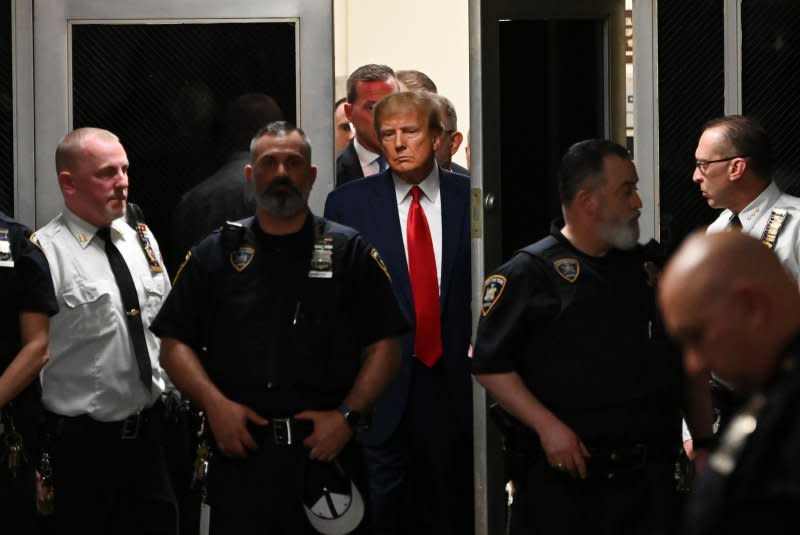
[[352, 417]]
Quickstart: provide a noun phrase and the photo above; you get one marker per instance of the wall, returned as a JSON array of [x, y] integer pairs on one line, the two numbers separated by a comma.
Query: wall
[[431, 36]]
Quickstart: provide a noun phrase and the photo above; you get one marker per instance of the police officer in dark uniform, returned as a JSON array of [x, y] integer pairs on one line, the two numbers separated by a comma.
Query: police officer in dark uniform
[[727, 299], [283, 328], [568, 345], [27, 301]]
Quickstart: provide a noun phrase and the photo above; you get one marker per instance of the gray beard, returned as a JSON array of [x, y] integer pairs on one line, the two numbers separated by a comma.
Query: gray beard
[[281, 205], [623, 236]]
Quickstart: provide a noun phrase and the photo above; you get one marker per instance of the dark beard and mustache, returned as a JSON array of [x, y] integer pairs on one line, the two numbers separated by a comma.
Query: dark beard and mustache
[[281, 198]]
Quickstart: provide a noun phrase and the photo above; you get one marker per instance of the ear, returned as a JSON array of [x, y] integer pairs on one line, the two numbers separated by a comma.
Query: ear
[[348, 111], [737, 168], [455, 141], [248, 173], [67, 182], [753, 305], [437, 141], [313, 174], [586, 200]]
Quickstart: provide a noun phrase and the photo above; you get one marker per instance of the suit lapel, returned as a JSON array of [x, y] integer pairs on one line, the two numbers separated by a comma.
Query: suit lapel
[[453, 206], [387, 223]]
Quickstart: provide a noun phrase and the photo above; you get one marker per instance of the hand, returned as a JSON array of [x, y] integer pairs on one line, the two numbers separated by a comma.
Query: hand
[[331, 433], [688, 447], [564, 449], [228, 421]]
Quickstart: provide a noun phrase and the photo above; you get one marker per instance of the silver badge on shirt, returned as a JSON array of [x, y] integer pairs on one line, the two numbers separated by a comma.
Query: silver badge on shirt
[[322, 259], [6, 260]]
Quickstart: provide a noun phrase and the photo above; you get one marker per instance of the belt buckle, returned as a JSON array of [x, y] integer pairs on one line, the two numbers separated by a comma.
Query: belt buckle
[[131, 426], [282, 431]]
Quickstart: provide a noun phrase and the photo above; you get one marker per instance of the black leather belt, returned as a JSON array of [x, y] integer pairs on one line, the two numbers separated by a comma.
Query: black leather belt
[[282, 431], [129, 428]]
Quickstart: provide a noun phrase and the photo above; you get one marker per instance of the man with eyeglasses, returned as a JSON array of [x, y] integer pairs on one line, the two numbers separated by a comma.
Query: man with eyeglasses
[[733, 169]]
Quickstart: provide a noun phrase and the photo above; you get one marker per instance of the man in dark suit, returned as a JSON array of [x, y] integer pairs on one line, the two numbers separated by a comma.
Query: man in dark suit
[[363, 156], [451, 137], [225, 195], [417, 215]]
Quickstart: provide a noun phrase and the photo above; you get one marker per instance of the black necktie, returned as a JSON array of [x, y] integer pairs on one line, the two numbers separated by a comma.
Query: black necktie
[[735, 222], [130, 302]]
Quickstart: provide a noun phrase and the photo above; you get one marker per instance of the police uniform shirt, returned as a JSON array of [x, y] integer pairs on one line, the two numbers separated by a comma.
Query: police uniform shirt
[[25, 285], [579, 331], [755, 220], [273, 331], [92, 368]]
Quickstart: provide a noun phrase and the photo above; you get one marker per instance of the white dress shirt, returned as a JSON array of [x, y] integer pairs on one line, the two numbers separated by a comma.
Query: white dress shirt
[[755, 217], [92, 368], [431, 202], [367, 159]]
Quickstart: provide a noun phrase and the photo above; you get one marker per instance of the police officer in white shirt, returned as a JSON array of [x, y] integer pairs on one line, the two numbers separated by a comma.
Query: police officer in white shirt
[[103, 382], [733, 168]]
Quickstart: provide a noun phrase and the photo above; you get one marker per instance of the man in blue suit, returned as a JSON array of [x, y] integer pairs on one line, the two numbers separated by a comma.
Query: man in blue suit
[[419, 446]]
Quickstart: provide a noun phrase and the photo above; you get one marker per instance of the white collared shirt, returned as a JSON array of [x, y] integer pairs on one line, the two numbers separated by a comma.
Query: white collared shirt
[[367, 159], [431, 203], [755, 218], [92, 368]]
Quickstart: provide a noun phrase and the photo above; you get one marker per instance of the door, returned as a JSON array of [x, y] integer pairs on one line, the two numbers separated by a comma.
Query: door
[[161, 74], [543, 75]]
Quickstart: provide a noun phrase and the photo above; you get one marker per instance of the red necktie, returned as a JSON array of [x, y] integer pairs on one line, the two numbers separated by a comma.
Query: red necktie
[[424, 284]]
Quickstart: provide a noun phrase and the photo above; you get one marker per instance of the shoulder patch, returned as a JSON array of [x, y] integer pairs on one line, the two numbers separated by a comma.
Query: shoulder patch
[[381, 264], [242, 257], [493, 288], [568, 268]]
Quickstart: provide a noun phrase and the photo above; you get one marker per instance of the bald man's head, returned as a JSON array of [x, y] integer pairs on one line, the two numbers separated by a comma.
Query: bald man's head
[[728, 301]]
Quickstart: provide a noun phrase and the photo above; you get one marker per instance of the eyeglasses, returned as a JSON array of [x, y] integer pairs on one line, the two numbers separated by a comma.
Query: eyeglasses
[[702, 165]]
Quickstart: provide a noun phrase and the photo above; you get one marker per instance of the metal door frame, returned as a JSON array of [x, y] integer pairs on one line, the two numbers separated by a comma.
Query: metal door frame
[[52, 92]]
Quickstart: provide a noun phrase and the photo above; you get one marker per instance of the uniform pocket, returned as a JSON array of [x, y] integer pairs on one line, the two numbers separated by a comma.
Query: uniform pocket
[[154, 291], [89, 309]]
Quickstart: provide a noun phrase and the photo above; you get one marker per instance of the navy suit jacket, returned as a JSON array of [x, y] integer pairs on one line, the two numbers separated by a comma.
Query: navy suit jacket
[[370, 206], [348, 166]]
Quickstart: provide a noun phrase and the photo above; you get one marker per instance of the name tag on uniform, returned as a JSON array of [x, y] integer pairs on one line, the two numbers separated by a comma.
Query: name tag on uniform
[[322, 259], [6, 260]]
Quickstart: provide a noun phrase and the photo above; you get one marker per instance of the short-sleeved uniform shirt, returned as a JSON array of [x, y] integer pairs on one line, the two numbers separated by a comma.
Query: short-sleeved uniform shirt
[[280, 322], [583, 334], [25, 286]]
